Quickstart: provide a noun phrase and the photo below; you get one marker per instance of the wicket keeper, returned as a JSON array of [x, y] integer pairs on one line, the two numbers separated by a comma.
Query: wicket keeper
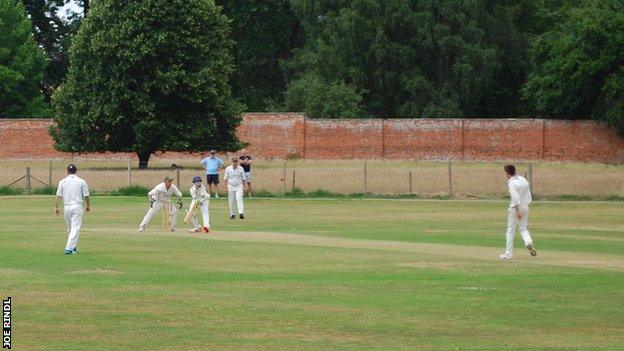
[[159, 197]]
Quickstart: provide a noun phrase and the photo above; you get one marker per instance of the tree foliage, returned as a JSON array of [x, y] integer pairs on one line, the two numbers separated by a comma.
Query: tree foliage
[[415, 58], [579, 65], [52, 33], [148, 76], [265, 32], [22, 64]]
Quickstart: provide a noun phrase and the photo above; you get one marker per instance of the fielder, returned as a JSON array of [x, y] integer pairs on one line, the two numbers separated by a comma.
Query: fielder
[[234, 181], [159, 197], [518, 212], [201, 200], [72, 190]]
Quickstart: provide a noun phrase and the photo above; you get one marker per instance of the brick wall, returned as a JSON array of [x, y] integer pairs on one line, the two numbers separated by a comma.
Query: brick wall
[[278, 135]]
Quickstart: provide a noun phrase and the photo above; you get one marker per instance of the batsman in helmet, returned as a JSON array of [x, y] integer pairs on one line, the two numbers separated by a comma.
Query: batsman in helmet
[[201, 201]]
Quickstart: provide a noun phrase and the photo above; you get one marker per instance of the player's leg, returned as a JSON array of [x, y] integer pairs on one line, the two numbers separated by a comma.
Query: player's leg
[[215, 179], [156, 206], [203, 207], [524, 231], [76, 224], [232, 202], [173, 213], [196, 226], [512, 225], [239, 202]]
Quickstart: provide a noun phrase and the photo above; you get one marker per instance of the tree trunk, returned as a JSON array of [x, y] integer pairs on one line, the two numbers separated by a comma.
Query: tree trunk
[[144, 158], [85, 3]]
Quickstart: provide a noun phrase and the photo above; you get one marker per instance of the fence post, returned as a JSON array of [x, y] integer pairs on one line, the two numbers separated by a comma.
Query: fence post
[[129, 173], [365, 178], [530, 171], [450, 179], [294, 184], [28, 185], [410, 183], [284, 177], [177, 176], [50, 174]]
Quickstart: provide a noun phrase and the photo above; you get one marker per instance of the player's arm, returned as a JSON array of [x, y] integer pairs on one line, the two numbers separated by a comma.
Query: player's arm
[[85, 194], [177, 193], [515, 200], [59, 193], [57, 211], [225, 177]]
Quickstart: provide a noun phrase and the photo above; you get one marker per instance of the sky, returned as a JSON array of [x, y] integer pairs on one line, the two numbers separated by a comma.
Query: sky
[[68, 8]]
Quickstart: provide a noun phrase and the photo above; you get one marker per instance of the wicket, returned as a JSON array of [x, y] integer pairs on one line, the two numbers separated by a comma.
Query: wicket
[[167, 216]]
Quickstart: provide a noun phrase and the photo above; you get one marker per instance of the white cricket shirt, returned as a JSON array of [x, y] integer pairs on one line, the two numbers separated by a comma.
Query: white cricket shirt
[[234, 176], [520, 191], [72, 189], [161, 193], [201, 192]]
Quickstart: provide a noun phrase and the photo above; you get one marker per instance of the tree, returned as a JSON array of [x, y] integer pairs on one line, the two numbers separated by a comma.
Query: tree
[[416, 58], [148, 76], [52, 34], [265, 32], [22, 65], [578, 66]]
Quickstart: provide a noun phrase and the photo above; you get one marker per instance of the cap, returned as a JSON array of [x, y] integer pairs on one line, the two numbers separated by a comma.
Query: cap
[[196, 179], [168, 178], [213, 151], [235, 159], [72, 168]]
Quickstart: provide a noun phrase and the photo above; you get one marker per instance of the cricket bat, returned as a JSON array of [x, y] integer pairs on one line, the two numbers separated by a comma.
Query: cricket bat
[[192, 210]]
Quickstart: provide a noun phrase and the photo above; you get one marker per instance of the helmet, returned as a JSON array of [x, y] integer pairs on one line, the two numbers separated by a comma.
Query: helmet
[[196, 179]]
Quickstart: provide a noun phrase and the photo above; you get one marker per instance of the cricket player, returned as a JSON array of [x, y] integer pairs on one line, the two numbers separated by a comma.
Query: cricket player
[[159, 196], [72, 189], [198, 193], [234, 181], [518, 212]]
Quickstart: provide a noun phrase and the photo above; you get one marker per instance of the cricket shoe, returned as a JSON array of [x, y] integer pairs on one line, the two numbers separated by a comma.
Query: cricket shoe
[[531, 250], [141, 229], [75, 251], [241, 216], [505, 257], [68, 252], [196, 230], [233, 217], [216, 195], [206, 230]]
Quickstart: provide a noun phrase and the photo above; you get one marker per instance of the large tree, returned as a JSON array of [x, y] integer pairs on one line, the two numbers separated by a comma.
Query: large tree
[[148, 76], [402, 58], [22, 64], [579, 64], [265, 32], [52, 33]]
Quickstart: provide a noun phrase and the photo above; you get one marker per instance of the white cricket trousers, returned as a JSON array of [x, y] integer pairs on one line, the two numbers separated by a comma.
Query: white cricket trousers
[[512, 225], [73, 220], [235, 198], [157, 206], [203, 207]]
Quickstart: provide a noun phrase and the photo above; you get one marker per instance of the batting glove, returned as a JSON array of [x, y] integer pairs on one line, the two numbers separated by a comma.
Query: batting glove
[[152, 200], [180, 204]]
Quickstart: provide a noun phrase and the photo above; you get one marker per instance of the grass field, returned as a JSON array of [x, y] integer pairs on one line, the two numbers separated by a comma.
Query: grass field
[[316, 275]]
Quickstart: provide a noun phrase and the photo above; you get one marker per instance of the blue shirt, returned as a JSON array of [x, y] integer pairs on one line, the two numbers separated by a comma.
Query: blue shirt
[[212, 165]]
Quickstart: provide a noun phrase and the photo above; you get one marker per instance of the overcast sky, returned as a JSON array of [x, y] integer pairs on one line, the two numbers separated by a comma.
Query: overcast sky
[[67, 9]]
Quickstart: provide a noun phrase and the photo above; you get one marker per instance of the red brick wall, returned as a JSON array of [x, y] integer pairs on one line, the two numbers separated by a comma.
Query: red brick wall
[[342, 138], [278, 135]]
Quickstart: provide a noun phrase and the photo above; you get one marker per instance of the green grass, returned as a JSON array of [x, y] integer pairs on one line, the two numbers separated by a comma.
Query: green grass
[[315, 274]]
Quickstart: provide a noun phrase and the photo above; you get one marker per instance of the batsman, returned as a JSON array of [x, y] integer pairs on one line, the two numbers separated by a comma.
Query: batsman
[[159, 197], [201, 201]]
